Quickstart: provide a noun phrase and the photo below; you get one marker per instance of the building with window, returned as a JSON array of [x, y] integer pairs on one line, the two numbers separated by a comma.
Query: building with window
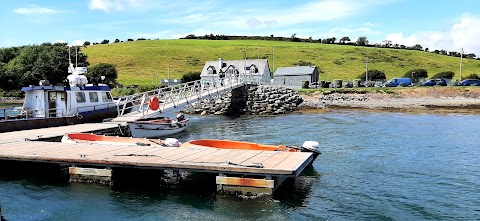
[[253, 69], [292, 77]]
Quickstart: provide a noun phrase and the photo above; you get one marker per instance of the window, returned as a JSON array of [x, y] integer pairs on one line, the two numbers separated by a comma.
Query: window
[[106, 96], [80, 97], [211, 70], [63, 96], [253, 69], [93, 96]]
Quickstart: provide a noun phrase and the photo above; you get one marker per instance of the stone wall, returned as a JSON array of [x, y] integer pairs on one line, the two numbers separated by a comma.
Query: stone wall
[[250, 100]]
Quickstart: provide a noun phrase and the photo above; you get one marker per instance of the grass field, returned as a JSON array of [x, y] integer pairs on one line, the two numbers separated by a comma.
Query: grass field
[[146, 62]]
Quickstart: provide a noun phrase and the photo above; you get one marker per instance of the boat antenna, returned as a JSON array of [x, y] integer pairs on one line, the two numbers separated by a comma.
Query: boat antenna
[[70, 65], [76, 56]]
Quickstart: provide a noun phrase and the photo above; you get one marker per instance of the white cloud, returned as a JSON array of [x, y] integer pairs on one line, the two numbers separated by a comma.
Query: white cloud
[[464, 34], [33, 9], [115, 5], [245, 19], [75, 43]]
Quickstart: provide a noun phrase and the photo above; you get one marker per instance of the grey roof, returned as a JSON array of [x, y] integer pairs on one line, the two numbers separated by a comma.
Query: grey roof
[[297, 70], [261, 64]]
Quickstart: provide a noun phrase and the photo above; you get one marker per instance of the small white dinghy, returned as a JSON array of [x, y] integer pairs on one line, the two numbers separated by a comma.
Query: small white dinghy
[[157, 127]]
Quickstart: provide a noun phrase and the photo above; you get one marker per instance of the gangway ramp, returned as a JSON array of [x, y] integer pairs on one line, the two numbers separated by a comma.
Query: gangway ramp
[[172, 99]]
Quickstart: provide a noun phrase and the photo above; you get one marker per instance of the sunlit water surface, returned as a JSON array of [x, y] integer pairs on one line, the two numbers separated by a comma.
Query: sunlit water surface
[[374, 166]]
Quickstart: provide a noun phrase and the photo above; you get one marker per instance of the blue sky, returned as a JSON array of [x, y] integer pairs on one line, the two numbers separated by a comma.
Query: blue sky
[[436, 24]]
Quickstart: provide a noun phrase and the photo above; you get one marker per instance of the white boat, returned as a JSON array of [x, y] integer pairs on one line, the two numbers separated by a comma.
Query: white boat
[[157, 127], [46, 105]]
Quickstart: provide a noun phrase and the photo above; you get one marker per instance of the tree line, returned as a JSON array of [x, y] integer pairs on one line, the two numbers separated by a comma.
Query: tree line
[[361, 41]]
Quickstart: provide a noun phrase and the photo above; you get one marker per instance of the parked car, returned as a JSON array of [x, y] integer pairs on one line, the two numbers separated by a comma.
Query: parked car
[[394, 82], [470, 82], [378, 84], [315, 85], [433, 82]]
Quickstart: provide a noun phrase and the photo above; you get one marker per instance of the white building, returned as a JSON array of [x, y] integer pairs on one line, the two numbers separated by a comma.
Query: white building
[[253, 69]]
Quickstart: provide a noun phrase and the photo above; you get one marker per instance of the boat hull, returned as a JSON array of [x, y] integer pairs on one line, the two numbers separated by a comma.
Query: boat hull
[[154, 129], [108, 140], [238, 145], [36, 123]]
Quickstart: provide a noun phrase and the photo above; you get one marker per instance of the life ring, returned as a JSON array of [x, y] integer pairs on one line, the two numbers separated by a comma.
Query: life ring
[[154, 104]]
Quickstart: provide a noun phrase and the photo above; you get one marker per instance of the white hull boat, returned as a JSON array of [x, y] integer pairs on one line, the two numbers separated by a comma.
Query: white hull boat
[[157, 127]]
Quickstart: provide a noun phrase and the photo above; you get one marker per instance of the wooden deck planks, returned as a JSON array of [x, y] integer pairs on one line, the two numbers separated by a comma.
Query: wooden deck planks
[[258, 159], [227, 156], [244, 156], [193, 157], [276, 159], [213, 156], [197, 159], [294, 161]]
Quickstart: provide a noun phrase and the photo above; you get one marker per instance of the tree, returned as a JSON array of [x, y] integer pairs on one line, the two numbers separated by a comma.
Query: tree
[[444, 74], [343, 40], [294, 37], [386, 43], [362, 41], [116, 40], [416, 74], [41, 62], [373, 74], [96, 72], [86, 43], [8, 54], [417, 47], [105, 41], [191, 36]]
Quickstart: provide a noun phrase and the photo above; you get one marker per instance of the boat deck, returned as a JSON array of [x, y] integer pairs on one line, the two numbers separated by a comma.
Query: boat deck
[[20, 146]]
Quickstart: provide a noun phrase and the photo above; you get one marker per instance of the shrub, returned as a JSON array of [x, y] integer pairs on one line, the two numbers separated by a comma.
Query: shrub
[[190, 76], [444, 74], [472, 76], [105, 41], [373, 74], [416, 74], [305, 84], [303, 63]]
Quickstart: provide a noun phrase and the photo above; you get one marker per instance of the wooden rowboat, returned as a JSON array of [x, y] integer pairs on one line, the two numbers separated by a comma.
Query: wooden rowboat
[[115, 140], [157, 127]]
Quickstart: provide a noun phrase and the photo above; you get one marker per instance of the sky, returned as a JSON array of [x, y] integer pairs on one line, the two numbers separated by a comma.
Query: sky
[[435, 24]]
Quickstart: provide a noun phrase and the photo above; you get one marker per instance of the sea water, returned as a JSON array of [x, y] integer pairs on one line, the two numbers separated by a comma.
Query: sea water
[[373, 166]]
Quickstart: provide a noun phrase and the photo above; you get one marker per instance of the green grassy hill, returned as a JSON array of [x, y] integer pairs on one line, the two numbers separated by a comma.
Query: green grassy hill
[[145, 62]]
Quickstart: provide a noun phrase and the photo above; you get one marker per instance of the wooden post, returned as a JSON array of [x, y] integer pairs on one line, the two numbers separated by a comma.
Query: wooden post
[[90, 175], [248, 187]]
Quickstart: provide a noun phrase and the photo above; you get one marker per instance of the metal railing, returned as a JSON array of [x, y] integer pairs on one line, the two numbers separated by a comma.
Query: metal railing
[[21, 113], [186, 92]]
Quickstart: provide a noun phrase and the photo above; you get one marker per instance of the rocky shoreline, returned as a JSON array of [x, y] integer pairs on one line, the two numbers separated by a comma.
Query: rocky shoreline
[[412, 98]]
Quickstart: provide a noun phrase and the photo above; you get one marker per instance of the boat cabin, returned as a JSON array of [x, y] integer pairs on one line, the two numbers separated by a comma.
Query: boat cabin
[[45, 101]]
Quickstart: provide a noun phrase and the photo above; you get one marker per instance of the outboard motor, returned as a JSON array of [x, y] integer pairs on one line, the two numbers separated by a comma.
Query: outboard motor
[[180, 117], [171, 142], [311, 146]]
